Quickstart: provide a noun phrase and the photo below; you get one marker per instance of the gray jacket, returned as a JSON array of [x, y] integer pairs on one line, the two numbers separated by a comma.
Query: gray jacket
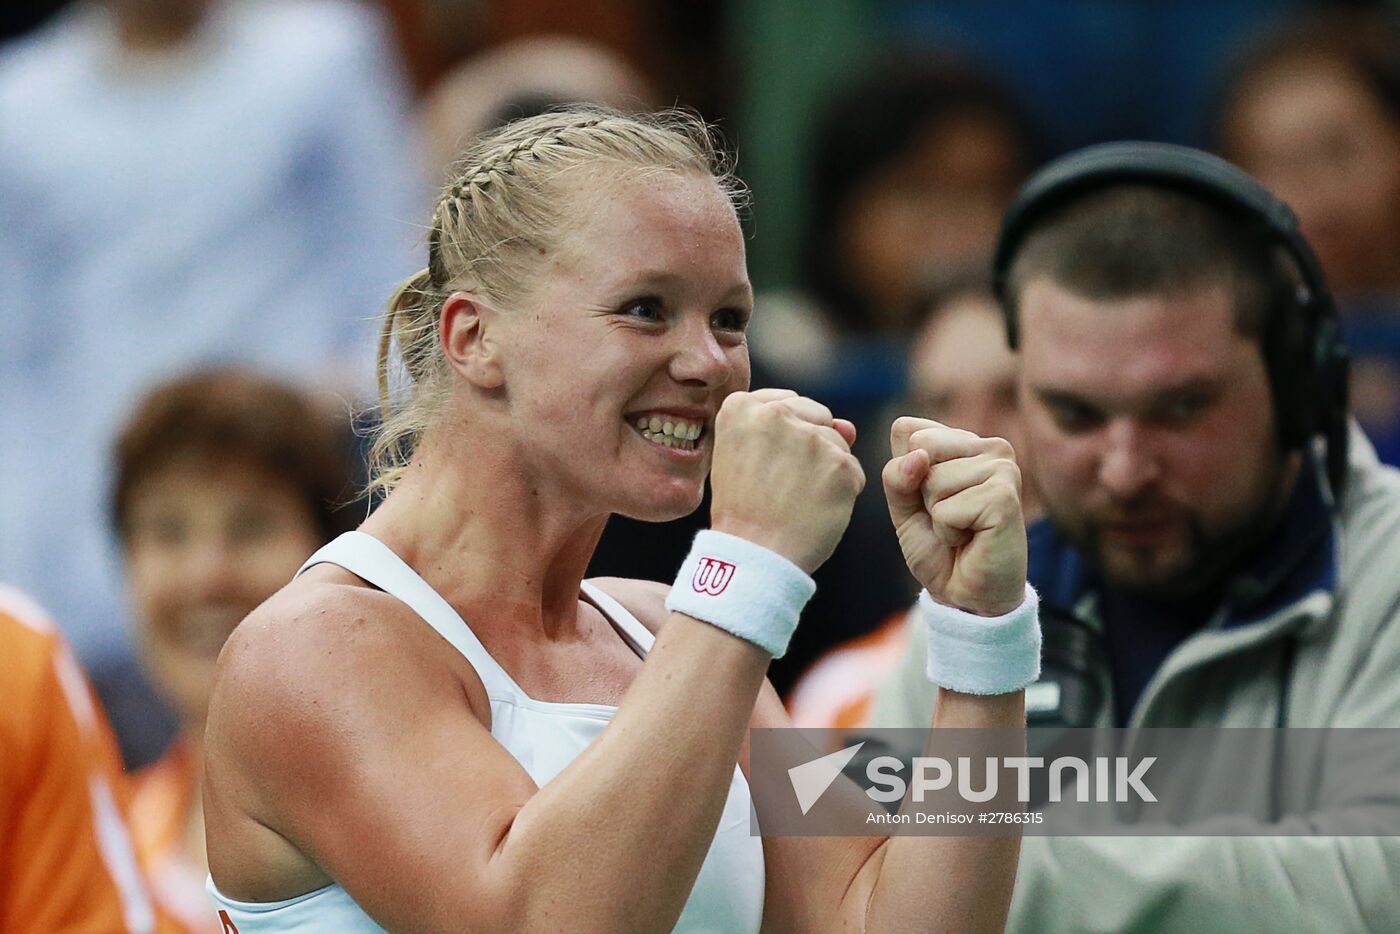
[[1330, 657]]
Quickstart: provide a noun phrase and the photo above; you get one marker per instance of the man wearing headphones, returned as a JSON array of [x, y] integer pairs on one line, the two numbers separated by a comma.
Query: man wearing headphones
[[1220, 545]]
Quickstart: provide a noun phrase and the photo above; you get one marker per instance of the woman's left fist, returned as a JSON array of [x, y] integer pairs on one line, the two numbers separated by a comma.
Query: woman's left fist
[[955, 500]]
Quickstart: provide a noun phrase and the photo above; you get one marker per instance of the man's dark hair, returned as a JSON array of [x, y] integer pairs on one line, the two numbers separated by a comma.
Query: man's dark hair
[[1131, 240]]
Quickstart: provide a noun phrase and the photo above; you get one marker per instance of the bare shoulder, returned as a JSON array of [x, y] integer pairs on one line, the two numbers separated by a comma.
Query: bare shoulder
[[645, 600], [323, 658], [335, 692], [312, 626]]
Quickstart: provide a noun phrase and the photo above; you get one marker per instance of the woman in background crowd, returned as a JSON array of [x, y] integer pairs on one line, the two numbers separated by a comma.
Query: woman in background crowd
[[912, 166], [522, 78], [226, 481]]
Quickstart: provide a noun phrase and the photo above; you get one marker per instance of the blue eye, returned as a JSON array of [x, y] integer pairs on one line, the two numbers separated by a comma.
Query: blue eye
[[647, 309]]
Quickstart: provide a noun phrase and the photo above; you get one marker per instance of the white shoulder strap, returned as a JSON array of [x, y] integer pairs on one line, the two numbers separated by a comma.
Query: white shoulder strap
[[631, 627], [375, 562]]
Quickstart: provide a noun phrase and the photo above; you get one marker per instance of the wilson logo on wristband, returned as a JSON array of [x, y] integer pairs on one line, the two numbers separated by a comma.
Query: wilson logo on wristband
[[712, 576]]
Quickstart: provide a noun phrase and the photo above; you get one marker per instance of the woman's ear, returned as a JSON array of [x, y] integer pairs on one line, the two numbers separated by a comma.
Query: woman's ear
[[468, 331]]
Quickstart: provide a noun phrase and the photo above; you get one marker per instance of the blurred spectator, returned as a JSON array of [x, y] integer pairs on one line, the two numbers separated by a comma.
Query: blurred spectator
[[913, 166], [1314, 112], [186, 181], [226, 482], [65, 854], [520, 79], [961, 373]]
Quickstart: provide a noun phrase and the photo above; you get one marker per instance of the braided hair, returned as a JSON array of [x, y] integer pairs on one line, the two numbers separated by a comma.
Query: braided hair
[[506, 207]]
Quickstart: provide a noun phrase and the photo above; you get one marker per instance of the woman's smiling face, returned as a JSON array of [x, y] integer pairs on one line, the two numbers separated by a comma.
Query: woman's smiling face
[[616, 362]]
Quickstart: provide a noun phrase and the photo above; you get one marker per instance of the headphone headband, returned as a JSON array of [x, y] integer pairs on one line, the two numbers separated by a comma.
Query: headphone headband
[[1178, 168]]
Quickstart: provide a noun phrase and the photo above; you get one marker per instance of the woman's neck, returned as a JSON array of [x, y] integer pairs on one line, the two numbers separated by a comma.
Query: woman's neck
[[489, 537]]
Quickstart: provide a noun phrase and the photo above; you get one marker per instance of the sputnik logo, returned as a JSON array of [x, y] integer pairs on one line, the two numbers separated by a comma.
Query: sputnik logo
[[712, 576], [810, 780]]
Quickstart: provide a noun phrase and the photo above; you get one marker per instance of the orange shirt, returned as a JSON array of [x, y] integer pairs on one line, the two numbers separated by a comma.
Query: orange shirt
[[67, 864], [160, 808], [838, 691]]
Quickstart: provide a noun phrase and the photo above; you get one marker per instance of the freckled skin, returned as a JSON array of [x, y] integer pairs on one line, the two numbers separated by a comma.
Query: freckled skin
[[1160, 505]]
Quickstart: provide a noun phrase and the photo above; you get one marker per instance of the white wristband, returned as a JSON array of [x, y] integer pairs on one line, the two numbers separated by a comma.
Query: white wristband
[[974, 654], [742, 588]]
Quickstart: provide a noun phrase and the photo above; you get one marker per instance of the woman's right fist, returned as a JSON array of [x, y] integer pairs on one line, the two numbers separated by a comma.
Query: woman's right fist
[[783, 475]]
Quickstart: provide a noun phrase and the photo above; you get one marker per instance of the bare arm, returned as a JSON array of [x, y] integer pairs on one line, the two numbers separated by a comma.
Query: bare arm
[[894, 884], [955, 503], [399, 793], [877, 884], [367, 759]]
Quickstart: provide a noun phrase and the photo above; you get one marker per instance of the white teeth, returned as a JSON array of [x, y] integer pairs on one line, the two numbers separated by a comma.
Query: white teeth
[[669, 431], [670, 441]]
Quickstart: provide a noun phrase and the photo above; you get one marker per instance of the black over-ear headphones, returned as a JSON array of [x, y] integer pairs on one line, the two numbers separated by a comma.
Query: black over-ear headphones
[[1303, 350]]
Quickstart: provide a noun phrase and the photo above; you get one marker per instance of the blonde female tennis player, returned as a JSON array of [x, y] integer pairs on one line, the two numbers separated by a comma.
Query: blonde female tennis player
[[440, 726]]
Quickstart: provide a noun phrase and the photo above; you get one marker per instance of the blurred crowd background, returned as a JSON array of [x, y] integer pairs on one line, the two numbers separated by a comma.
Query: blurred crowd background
[[206, 202]]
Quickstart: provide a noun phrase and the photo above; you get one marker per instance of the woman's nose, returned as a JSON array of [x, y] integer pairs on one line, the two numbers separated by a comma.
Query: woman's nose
[[700, 359]]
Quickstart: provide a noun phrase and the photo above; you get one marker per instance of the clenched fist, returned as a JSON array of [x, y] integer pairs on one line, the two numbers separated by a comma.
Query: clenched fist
[[955, 500], [783, 475]]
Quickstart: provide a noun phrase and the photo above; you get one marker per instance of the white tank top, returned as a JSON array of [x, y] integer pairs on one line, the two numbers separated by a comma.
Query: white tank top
[[544, 738]]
